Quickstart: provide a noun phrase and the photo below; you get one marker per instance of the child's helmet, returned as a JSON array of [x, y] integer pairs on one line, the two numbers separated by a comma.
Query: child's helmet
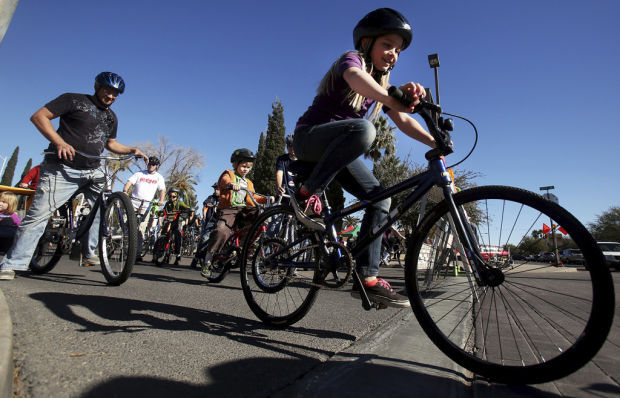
[[174, 190], [289, 140], [111, 80], [380, 22], [242, 154]]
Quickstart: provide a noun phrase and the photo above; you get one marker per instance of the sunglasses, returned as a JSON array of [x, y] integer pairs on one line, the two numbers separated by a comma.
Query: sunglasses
[[173, 196]]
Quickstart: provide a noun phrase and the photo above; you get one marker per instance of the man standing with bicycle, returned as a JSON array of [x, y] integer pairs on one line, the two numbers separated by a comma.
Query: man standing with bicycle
[[87, 124], [145, 184]]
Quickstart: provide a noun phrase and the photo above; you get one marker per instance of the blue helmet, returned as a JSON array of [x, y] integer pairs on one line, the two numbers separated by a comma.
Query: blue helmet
[[110, 79]]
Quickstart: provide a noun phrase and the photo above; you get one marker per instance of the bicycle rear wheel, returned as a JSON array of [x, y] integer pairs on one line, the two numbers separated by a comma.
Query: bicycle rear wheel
[[540, 321], [280, 283], [118, 239], [49, 249]]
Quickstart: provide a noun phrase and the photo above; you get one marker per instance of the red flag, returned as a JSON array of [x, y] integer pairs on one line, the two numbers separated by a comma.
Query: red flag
[[562, 230], [546, 229]]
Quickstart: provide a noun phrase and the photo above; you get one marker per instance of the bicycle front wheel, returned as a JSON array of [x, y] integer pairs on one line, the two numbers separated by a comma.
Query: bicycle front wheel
[[279, 279], [540, 320], [118, 239]]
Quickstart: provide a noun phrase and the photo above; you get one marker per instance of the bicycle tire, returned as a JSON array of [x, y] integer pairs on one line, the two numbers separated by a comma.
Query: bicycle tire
[[220, 266], [278, 295], [159, 250], [118, 239], [541, 322], [49, 248]]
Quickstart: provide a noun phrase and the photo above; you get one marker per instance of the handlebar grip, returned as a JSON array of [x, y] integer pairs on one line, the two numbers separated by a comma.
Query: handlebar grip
[[397, 93], [406, 100]]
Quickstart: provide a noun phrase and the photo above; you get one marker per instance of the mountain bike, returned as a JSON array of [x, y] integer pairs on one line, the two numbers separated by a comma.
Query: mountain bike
[[228, 256], [522, 323], [166, 243], [117, 231]]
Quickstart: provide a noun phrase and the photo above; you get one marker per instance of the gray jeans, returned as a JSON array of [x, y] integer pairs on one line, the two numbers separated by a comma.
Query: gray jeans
[[56, 185], [337, 147]]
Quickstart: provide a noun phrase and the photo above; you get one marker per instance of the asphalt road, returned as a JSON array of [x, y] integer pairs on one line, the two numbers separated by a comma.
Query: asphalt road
[[166, 331]]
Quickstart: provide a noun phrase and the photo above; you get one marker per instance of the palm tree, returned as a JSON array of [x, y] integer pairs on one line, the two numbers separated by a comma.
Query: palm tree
[[385, 140]]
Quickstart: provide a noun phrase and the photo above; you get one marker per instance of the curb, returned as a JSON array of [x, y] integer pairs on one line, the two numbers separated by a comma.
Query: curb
[[6, 349]]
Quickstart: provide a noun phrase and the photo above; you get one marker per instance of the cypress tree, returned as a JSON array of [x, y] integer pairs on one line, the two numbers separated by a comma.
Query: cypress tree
[[264, 175], [259, 155], [7, 177], [26, 169]]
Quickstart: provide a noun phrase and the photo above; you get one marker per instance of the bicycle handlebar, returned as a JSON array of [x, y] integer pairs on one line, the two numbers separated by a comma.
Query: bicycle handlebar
[[423, 108], [99, 157], [251, 195]]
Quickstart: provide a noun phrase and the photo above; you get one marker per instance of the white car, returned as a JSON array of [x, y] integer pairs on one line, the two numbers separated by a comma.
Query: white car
[[611, 251]]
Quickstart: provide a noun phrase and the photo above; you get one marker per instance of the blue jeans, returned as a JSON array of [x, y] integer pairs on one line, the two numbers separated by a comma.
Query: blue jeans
[[56, 185], [337, 147]]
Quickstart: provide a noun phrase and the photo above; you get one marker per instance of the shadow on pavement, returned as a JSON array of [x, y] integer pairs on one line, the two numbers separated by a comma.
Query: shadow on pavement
[[269, 377]]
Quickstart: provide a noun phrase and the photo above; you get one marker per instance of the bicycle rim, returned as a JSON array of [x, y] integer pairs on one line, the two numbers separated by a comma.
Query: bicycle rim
[[118, 239], [543, 321], [277, 280]]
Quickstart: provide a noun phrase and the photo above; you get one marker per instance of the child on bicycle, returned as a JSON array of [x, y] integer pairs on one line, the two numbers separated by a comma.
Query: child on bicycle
[[334, 133], [234, 202], [175, 204], [9, 220]]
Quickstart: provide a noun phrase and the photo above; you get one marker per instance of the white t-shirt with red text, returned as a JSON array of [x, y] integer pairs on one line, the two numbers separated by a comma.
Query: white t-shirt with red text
[[145, 185]]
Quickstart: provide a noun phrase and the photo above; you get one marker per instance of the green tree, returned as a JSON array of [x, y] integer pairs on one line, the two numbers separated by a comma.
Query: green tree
[[259, 155], [7, 177], [263, 175], [26, 169], [606, 227], [384, 143]]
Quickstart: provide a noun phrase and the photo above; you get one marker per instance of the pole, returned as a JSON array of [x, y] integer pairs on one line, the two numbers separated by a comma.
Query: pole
[[558, 263]]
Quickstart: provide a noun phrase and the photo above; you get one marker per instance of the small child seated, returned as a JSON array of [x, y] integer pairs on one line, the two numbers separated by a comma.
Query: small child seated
[[234, 204], [9, 220]]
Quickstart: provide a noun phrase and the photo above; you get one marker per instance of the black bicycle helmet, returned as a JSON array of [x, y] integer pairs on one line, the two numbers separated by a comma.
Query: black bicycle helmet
[[242, 154], [154, 160], [111, 80], [289, 140], [380, 22]]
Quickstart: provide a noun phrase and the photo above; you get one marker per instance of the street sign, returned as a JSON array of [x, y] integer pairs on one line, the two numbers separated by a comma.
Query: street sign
[[548, 187]]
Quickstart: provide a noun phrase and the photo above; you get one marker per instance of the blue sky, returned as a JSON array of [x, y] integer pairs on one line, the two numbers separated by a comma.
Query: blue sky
[[539, 78]]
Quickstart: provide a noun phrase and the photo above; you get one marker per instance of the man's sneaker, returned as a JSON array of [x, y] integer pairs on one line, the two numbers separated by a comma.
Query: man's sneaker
[[139, 258], [194, 263], [382, 292], [315, 224], [7, 275], [89, 261], [176, 262]]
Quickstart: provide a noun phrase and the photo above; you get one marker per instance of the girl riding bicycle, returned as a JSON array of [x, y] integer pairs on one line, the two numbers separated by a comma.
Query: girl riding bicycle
[[334, 133]]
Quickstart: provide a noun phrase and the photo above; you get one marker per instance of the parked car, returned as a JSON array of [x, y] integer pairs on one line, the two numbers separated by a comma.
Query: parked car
[[611, 251], [571, 256], [546, 257]]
